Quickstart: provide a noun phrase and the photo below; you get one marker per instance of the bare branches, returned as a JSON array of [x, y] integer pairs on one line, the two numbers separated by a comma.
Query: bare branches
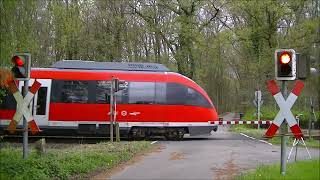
[[172, 7], [214, 16], [155, 28]]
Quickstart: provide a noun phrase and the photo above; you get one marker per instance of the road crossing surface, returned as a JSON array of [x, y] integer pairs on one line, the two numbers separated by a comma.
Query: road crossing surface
[[221, 156]]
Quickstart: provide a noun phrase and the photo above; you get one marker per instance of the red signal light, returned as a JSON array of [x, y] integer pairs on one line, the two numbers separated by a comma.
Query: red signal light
[[285, 58], [21, 66], [285, 64], [17, 60]]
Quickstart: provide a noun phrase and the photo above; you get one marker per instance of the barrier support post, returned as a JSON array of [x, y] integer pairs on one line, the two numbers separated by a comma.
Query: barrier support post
[[117, 132], [111, 109], [25, 124], [284, 131]]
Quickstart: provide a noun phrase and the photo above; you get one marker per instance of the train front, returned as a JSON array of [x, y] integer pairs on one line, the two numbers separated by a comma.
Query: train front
[[196, 109]]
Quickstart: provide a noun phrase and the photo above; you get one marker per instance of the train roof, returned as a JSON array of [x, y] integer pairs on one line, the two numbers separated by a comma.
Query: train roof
[[125, 66]]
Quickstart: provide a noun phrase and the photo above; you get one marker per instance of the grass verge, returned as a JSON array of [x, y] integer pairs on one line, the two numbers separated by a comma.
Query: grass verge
[[295, 171], [66, 161], [258, 133]]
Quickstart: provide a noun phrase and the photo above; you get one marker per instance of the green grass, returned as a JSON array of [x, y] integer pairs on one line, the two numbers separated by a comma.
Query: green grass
[[304, 170], [258, 133], [65, 162]]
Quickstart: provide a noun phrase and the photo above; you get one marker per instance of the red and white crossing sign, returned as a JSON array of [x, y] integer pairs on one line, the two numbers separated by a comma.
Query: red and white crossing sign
[[285, 106], [22, 107]]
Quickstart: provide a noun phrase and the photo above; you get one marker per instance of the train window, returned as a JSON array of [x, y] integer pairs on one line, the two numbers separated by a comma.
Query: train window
[[161, 93], [7, 100], [42, 101], [55, 90], [176, 93], [122, 96], [141, 93], [103, 92], [180, 94], [74, 92], [196, 99]]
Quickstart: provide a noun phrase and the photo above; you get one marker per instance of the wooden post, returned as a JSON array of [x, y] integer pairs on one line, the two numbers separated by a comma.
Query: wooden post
[[310, 119], [111, 108], [40, 146], [117, 132]]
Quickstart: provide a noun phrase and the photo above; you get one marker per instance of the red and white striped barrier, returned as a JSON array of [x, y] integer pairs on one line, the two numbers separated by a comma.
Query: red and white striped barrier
[[240, 122], [285, 106], [22, 108]]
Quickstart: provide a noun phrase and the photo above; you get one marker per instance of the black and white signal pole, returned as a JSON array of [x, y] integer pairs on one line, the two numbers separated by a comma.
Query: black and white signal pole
[[285, 70], [284, 132], [25, 124], [21, 72]]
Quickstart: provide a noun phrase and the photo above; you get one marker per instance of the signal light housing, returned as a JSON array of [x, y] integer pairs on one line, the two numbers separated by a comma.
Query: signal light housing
[[120, 85], [285, 64], [21, 66]]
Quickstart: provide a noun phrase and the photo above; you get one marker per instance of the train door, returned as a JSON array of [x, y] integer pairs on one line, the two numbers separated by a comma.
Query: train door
[[40, 104]]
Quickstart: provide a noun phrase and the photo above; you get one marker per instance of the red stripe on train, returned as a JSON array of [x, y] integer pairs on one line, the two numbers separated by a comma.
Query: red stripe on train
[[7, 114], [131, 113]]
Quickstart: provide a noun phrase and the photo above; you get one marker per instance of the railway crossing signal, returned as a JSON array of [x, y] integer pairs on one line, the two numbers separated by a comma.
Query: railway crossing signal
[[285, 70], [22, 66], [22, 107], [119, 84], [21, 71], [116, 85], [285, 105], [285, 64]]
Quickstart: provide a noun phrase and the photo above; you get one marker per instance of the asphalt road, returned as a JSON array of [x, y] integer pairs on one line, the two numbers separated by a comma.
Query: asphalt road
[[220, 156]]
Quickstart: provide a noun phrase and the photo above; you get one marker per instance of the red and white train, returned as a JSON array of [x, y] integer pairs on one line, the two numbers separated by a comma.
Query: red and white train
[[73, 98]]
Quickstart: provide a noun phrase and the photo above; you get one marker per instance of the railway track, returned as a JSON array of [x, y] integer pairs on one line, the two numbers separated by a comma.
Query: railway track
[[83, 139]]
